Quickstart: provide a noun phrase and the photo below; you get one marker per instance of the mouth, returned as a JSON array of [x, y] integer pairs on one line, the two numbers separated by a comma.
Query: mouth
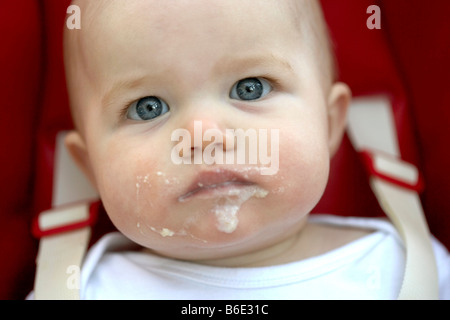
[[217, 183]]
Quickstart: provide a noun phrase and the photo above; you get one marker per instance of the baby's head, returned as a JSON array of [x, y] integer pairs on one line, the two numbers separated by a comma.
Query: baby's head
[[141, 71]]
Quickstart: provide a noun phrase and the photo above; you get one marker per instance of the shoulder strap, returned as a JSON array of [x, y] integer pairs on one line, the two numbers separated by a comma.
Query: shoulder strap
[[396, 185], [64, 237]]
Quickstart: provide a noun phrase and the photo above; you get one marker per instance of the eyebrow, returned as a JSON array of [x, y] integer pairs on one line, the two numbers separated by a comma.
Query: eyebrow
[[118, 87], [270, 60], [229, 65]]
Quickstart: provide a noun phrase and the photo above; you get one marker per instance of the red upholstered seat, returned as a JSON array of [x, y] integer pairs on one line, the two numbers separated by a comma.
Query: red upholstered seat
[[407, 60]]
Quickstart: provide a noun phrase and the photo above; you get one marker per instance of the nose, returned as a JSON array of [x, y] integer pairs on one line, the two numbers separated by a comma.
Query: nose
[[206, 132], [204, 140]]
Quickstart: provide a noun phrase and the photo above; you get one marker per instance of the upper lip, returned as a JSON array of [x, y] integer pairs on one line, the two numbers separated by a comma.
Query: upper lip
[[214, 179]]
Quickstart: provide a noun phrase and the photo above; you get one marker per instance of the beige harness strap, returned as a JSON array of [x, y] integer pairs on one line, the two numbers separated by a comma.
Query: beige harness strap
[[403, 207], [65, 234], [396, 185]]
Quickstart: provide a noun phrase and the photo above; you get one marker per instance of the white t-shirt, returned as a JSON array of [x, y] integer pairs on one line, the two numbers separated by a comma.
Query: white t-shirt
[[368, 268]]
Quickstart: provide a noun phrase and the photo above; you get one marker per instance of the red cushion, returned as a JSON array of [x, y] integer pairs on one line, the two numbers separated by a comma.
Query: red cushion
[[419, 35], [20, 91], [408, 60], [365, 63], [54, 104]]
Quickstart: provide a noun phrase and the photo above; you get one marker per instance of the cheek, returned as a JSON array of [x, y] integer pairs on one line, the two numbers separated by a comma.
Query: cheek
[[130, 187], [304, 170]]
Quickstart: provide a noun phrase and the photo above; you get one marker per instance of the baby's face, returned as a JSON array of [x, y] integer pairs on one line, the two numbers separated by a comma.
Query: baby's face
[[151, 69]]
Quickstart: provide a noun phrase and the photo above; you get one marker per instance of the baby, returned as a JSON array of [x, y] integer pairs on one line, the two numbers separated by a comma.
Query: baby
[[140, 70]]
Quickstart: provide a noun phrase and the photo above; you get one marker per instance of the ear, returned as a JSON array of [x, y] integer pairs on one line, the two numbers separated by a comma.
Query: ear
[[338, 102], [76, 146]]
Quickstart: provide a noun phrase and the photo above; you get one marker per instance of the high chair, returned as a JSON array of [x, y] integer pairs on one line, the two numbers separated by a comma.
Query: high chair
[[398, 76]]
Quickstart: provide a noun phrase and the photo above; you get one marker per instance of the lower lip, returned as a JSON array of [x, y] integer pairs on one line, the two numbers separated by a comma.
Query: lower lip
[[225, 189]]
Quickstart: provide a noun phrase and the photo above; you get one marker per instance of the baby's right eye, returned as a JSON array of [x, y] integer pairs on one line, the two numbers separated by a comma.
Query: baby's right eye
[[147, 108]]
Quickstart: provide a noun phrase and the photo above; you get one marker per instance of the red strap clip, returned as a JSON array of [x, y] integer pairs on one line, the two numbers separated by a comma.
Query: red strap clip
[[64, 219], [393, 170]]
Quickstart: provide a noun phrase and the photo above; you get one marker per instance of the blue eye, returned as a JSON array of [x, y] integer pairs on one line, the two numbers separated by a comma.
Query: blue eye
[[250, 89], [147, 108]]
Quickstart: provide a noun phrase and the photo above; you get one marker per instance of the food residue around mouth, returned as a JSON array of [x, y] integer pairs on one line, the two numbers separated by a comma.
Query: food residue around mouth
[[227, 208], [164, 232]]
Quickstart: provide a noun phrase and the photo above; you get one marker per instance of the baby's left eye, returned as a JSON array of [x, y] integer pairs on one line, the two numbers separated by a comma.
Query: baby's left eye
[[250, 89]]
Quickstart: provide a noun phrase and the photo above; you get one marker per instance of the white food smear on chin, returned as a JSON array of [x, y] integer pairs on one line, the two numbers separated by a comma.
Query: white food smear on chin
[[228, 207], [164, 232]]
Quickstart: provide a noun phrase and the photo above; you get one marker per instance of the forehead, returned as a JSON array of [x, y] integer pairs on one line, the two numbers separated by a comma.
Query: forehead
[[145, 28], [165, 11]]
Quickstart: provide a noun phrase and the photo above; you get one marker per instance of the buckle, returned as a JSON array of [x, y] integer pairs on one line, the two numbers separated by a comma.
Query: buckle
[[393, 170], [65, 218]]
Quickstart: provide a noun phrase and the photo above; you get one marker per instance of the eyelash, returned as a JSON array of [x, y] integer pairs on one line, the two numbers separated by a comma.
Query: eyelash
[[123, 111], [274, 82]]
